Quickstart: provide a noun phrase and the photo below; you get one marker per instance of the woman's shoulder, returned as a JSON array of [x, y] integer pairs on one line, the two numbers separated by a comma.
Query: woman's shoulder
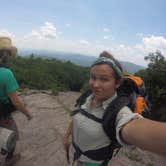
[[126, 109], [6, 70], [6, 73], [126, 114]]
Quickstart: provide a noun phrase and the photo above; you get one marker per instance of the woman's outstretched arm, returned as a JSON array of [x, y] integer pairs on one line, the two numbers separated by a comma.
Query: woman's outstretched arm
[[146, 134]]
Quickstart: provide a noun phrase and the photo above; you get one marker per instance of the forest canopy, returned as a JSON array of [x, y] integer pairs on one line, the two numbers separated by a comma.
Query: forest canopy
[[44, 73], [51, 74], [155, 81]]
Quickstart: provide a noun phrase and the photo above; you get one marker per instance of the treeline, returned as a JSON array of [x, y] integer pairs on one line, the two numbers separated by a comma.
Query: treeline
[[45, 73], [155, 81], [38, 73]]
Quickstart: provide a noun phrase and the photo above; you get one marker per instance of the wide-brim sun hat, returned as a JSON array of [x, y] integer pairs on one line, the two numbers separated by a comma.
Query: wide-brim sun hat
[[6, 44]]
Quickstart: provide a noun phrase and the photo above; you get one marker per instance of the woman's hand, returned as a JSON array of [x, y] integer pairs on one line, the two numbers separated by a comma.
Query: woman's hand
[[66, 137], [19, 105], [66, 143]]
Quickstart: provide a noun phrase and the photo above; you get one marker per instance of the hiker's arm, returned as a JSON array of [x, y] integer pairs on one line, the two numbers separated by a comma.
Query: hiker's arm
[[146, 134], [19, 105], [67, 135], [69, 130]]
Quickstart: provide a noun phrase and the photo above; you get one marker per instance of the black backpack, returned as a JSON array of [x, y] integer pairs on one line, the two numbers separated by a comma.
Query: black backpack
[[6, 108]]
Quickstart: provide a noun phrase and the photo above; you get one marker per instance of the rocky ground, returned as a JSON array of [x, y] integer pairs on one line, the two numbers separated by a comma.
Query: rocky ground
[[40, 141]]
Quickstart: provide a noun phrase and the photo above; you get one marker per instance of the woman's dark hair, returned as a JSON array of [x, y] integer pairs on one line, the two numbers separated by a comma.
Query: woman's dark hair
[[110, 56]]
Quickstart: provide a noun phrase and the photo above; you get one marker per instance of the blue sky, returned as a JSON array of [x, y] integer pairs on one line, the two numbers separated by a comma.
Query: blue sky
[[129, 29]]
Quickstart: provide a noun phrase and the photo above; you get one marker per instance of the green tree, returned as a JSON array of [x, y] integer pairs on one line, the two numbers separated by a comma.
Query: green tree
[[155, 81], [46, 73]]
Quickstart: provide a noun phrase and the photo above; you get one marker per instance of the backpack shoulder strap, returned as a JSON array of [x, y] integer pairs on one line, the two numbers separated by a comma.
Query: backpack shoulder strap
[[81, 100], [87, 114], [110, 114]]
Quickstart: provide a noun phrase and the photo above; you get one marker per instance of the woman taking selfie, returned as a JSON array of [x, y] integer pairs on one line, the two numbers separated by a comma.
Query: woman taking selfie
[[92, 144]]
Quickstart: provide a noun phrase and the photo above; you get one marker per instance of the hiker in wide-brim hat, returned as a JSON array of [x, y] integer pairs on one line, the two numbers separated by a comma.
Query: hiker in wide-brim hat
[[6, 50], [6, 44], [9, 100]]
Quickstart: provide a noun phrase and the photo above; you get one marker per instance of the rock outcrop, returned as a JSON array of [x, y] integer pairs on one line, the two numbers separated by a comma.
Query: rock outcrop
[[40, 141]]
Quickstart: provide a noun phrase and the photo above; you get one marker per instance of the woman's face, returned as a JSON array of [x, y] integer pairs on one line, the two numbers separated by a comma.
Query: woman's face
[[102, 82]]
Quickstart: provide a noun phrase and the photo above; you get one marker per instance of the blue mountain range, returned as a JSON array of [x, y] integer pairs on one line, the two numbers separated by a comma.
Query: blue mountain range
[[79, 59]]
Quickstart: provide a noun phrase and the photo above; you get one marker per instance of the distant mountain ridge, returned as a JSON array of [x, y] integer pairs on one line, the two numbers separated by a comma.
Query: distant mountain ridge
[[79, 59]]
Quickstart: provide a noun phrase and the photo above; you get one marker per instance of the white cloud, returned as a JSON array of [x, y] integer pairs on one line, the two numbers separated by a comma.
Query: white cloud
[[68, 25], [140, 35], [107, 37], [4, 32], [59, 33], [35, 34], [84, 42], [45, 37], [106, 30], [154, 43], [137, 53], [47, 31]]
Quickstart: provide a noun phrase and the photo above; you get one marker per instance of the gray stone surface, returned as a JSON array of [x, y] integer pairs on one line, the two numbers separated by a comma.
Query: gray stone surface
[[40, 141]]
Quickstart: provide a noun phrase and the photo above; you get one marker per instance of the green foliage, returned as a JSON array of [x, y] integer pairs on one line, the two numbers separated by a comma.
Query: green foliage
[[38, 73], [155, 81]]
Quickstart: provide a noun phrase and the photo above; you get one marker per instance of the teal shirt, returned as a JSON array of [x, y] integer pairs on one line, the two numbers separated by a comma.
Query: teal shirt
[[8, 83]]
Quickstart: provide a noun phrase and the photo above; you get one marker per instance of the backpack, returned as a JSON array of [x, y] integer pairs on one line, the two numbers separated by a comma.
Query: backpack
[[133, 87], [6, 108], [131, 93]]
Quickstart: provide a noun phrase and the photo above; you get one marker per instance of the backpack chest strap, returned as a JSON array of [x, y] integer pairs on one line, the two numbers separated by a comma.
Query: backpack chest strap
[[87, 114]]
